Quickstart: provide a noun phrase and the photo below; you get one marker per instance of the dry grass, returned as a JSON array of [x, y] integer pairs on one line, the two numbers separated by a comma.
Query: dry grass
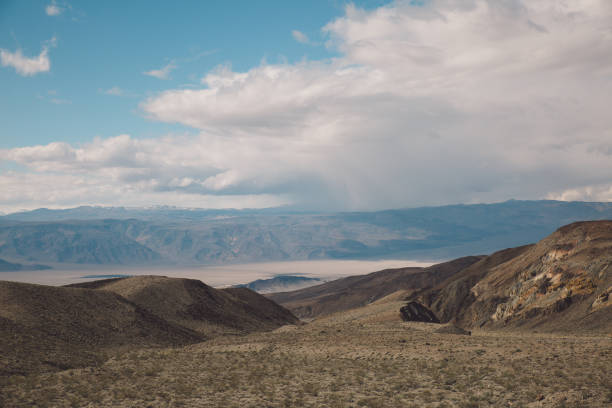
[[339, 362]]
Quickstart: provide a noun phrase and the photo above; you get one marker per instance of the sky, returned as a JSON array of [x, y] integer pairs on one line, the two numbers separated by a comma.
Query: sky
[[319, 105]]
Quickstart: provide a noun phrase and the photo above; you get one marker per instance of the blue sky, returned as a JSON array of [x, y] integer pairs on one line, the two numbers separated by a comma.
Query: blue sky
[[103, 45], [315, 105]]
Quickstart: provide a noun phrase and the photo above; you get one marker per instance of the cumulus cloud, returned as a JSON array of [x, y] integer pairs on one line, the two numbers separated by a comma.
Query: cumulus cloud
[[443, 102], [118, 171], [28, 191], [162, 73], [28, 66]]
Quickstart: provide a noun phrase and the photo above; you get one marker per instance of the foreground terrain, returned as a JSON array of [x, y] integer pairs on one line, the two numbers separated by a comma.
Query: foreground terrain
[[348, 361]]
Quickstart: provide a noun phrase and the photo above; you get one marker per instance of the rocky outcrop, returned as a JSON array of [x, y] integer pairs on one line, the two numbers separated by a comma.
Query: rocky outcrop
[[564, 282], [416, 312]]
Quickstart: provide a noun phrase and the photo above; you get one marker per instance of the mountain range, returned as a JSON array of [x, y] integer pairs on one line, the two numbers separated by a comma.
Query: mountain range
[[170, 236]]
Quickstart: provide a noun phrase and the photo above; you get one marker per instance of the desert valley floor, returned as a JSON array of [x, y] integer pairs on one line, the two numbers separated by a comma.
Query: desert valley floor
[[362, 358]]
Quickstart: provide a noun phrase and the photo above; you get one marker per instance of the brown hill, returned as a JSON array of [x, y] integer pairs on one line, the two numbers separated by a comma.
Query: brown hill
[[563, 282], [357, 291], [193, 304], [45, 328]]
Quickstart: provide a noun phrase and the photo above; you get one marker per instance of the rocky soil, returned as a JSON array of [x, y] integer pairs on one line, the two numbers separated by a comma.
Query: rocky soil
[[343, 361]]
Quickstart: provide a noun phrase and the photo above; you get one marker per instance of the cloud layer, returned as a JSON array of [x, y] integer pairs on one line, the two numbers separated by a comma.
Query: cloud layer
[[429, 102]]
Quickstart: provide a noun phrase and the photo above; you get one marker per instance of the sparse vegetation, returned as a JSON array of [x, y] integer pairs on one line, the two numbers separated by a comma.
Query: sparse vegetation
[[338, 363]]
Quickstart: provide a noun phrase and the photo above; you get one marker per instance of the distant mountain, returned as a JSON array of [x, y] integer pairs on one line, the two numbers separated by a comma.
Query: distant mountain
[[46, 328], [111, 236], [87, 242], [6, 266], [281, 283]]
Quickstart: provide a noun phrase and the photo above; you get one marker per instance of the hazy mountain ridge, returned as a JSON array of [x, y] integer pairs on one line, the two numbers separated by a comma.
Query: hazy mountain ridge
[[6, 266], [173, 236]]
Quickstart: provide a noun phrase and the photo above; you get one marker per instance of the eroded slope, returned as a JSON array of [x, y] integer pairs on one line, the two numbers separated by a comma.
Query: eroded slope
[[564, 282]]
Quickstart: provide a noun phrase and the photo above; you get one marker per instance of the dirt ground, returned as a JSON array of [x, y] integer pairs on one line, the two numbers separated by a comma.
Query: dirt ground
[[357, 359]]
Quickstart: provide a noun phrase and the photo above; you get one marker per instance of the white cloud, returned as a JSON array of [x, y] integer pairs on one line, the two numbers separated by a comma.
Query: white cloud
[[445, 102], [119, 171], [28, 191], [53, 9], [162, 73], [599, 193], [300, 37], [471, 101], [28, 66]]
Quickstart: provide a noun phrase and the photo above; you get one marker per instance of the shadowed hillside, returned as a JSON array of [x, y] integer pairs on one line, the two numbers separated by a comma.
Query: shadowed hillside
[[193, 304], [357, 291], [46, 328]]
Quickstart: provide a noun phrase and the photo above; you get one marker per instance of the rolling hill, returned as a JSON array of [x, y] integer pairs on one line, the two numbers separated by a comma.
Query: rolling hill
[[193, 304], [46, 328]]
